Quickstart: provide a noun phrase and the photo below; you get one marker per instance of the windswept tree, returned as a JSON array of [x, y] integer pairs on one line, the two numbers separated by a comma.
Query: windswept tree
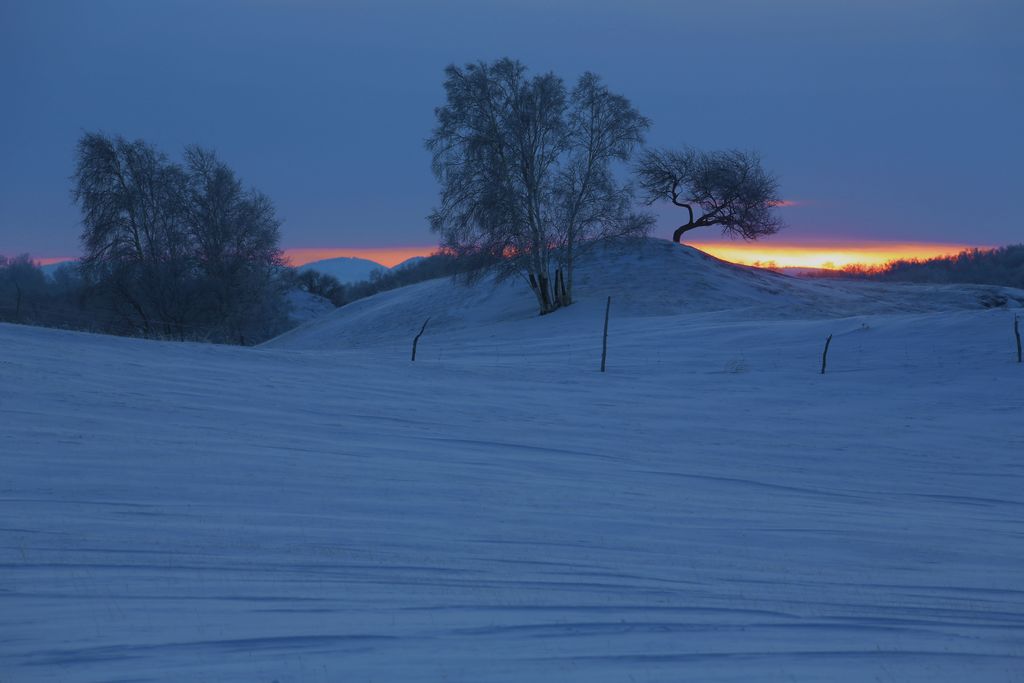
[[730, 188], [525, 171]]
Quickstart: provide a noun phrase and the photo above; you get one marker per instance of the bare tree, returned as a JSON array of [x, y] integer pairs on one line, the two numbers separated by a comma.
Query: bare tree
[[731, 189], [21, 285], [603, 128], [135, 242], [177, 251], [524, 170], [317, 283], [235, 234]]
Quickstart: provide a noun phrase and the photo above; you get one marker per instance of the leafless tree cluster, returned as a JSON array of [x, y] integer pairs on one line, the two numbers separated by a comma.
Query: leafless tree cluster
[[21, 285], [315, 282], [526, 171], [730, 188], [178, 250], [29, 296]]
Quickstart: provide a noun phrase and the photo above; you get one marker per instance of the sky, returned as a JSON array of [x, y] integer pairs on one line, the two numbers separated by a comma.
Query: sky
[[895, 121]]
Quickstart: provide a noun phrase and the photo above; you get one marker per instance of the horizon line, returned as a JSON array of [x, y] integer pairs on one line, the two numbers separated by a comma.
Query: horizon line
[[806, 253]]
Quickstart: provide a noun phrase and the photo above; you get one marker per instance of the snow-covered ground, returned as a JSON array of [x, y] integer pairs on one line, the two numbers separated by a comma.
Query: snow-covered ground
[[710, 509]]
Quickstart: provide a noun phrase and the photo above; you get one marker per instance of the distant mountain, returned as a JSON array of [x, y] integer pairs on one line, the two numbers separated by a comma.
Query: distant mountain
[[347, 269], [50, 268]]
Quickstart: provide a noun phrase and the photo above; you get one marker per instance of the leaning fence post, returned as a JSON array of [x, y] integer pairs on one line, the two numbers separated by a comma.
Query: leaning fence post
[[417, 339], [604, 341], [824, 355], [1016, 332]]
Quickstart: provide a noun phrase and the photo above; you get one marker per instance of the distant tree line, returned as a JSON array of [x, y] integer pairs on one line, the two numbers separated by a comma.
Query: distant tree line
[[28, 296], [65, 299], [1003, 266]]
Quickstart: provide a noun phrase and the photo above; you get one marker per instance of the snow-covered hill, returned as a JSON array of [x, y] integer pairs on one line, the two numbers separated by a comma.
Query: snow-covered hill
[[710, 509], [303, 306], [656, 279]]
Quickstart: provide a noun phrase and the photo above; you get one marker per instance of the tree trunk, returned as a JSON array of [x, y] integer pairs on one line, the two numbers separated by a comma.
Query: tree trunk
[[569, 269], [678, 234], [604, 338], [570, 262], [416, 340], [535, 287], [542, 290], [545, 294], [1016, 332]]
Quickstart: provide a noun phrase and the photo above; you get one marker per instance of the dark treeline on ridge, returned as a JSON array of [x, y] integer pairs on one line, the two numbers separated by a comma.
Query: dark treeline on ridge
[[1002, 266], [65, 299], [440, 264], [179, 251]]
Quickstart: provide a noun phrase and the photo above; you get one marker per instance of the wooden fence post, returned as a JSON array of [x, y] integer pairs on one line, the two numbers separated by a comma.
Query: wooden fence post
[[824, 355], [1016, 332], [417, 339], [604, 341]]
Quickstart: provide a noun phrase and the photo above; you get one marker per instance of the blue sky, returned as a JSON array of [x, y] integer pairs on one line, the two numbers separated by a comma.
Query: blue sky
[[886, 120]]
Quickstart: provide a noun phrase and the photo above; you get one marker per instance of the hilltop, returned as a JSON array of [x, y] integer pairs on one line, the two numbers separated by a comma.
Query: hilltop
[[654, 278], [347, 269]]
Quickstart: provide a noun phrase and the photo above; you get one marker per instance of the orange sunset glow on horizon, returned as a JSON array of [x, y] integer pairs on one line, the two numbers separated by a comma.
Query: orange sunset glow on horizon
[[51, 260], [768, 253], [386, 256], [827, 255]]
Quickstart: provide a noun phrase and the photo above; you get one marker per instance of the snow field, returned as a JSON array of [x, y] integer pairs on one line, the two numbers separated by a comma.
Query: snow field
[[710, 509]]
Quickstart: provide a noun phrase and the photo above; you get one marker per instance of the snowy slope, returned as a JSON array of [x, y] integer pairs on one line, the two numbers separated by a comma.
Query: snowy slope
[[303, 306], [710, 509]]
